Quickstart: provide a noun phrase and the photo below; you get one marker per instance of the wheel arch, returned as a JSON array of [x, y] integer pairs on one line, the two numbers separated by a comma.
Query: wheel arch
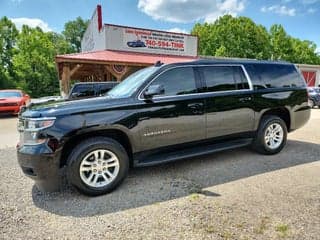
[[281, 112], [78, 136]]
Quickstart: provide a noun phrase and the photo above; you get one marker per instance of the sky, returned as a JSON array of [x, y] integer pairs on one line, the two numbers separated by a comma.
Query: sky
[[300, 18]]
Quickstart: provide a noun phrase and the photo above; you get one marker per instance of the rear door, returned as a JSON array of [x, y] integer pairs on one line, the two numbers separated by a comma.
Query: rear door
[[228, 105], [176, 116]]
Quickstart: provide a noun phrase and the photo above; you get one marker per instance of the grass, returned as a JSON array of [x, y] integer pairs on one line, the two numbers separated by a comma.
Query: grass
[[194, 196], [282, 230], [262, 227], [226, 235], [210, 229]]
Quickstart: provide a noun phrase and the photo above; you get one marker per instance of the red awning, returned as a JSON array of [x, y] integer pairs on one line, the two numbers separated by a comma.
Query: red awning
[[131, 58]]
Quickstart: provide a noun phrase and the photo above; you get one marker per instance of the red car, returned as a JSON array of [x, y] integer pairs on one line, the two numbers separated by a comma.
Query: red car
[[11, 100]]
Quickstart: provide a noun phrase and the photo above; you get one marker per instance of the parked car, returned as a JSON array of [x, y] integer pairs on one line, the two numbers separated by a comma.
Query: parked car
[[314, 96], [161, 114], [12, 99], [136, 44], [90, 89], [46, 99]]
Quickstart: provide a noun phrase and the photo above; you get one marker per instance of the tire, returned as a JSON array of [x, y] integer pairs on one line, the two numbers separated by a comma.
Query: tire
[[312, 104], [97, 166], [263, 140]]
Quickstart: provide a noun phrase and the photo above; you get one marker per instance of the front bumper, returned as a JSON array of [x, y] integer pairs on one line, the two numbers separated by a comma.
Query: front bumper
[[10, 109], [40, 164]]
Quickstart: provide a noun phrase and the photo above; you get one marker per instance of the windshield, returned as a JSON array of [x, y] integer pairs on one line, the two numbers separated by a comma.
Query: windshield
[[128, 86], [10, 94]]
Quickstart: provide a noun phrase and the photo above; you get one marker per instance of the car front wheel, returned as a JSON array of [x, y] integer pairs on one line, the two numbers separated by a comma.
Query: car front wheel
[[97, 166]]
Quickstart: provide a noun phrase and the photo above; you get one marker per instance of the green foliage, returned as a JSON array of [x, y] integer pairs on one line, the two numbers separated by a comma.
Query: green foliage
[[241, 37], [34, 63], [8, 37], [27, 58], [233, 37], [73, 32]]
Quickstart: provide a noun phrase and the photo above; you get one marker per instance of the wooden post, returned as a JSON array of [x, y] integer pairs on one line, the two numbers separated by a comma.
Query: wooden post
[[65, 80]]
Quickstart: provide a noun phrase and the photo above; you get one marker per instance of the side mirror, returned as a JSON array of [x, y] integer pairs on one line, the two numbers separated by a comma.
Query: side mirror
[[153, 90]]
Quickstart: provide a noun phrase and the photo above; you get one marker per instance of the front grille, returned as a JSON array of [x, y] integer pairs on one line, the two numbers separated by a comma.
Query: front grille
[[8, 104]]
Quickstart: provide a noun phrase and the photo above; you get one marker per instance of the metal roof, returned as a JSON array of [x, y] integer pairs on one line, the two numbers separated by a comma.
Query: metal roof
[[121, 57]]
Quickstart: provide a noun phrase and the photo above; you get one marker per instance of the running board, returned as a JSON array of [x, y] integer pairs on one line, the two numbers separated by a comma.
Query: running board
[[159, 158]]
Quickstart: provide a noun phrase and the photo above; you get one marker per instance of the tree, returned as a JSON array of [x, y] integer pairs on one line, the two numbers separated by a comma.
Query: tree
[[281, 44], [61, 45], [304, 52], [241, 37], [233, 37], [8, 37], [73, 32], [34, 63]]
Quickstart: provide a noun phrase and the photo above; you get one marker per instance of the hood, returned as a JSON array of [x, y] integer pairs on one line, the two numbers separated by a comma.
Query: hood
[[73, 107]]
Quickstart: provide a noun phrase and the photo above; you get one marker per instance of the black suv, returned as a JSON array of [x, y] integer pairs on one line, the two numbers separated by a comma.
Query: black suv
[[160, 114], [90, 89]]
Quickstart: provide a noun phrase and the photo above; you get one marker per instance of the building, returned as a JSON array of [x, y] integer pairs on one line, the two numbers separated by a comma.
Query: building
[[311, 74], [112, 52]]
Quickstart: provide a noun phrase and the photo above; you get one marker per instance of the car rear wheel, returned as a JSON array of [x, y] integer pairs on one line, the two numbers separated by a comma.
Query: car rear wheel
[[97, 166], [271, 136], [312, 104]]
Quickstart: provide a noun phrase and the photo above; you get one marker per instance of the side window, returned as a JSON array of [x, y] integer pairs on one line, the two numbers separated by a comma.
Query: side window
[[83, 91], [277, 75], [240, 79], [177, 81], [224, 78]]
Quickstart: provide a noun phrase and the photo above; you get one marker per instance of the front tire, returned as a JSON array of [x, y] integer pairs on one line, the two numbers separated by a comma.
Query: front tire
[[271, 136], [97, 166]]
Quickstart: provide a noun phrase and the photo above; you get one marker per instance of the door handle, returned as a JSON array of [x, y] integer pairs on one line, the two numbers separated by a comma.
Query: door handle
[[195, 105], [196, 108], [245, 99]]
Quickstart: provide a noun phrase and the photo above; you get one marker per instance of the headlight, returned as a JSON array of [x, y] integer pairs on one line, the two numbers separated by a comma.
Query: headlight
[[38, 123], [29, 130]]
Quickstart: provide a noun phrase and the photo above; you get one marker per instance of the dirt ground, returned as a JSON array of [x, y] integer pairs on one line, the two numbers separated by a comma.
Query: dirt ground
[[235, 194]]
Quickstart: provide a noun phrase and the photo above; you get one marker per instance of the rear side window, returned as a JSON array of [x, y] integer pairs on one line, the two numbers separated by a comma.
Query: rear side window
[[275, 76], [224, 78], [177, 81]]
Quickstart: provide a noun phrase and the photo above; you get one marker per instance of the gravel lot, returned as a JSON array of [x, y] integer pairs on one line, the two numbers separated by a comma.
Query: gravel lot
[[229, 195]]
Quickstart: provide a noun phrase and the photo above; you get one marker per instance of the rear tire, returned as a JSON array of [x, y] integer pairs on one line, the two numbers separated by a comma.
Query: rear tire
[[271, 136], [97, 166], [312, 104]]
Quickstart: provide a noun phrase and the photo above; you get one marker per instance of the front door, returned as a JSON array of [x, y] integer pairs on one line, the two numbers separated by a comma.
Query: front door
[[174, 117]]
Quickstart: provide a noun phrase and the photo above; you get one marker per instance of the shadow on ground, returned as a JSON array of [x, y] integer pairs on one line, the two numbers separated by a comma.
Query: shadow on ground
[[8, 116], [151, 185]]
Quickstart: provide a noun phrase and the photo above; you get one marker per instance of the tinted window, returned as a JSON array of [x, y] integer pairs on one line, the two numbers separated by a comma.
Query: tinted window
[[240, 78], [104, 88], [274, 76], [224, 78], [177, 81], [83, 91]]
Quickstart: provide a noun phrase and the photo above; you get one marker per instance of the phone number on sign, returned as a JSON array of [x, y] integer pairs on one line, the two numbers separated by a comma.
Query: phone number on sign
[[164, 44]]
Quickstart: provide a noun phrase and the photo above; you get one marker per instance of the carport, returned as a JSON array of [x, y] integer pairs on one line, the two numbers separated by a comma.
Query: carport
[[108, 65]]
